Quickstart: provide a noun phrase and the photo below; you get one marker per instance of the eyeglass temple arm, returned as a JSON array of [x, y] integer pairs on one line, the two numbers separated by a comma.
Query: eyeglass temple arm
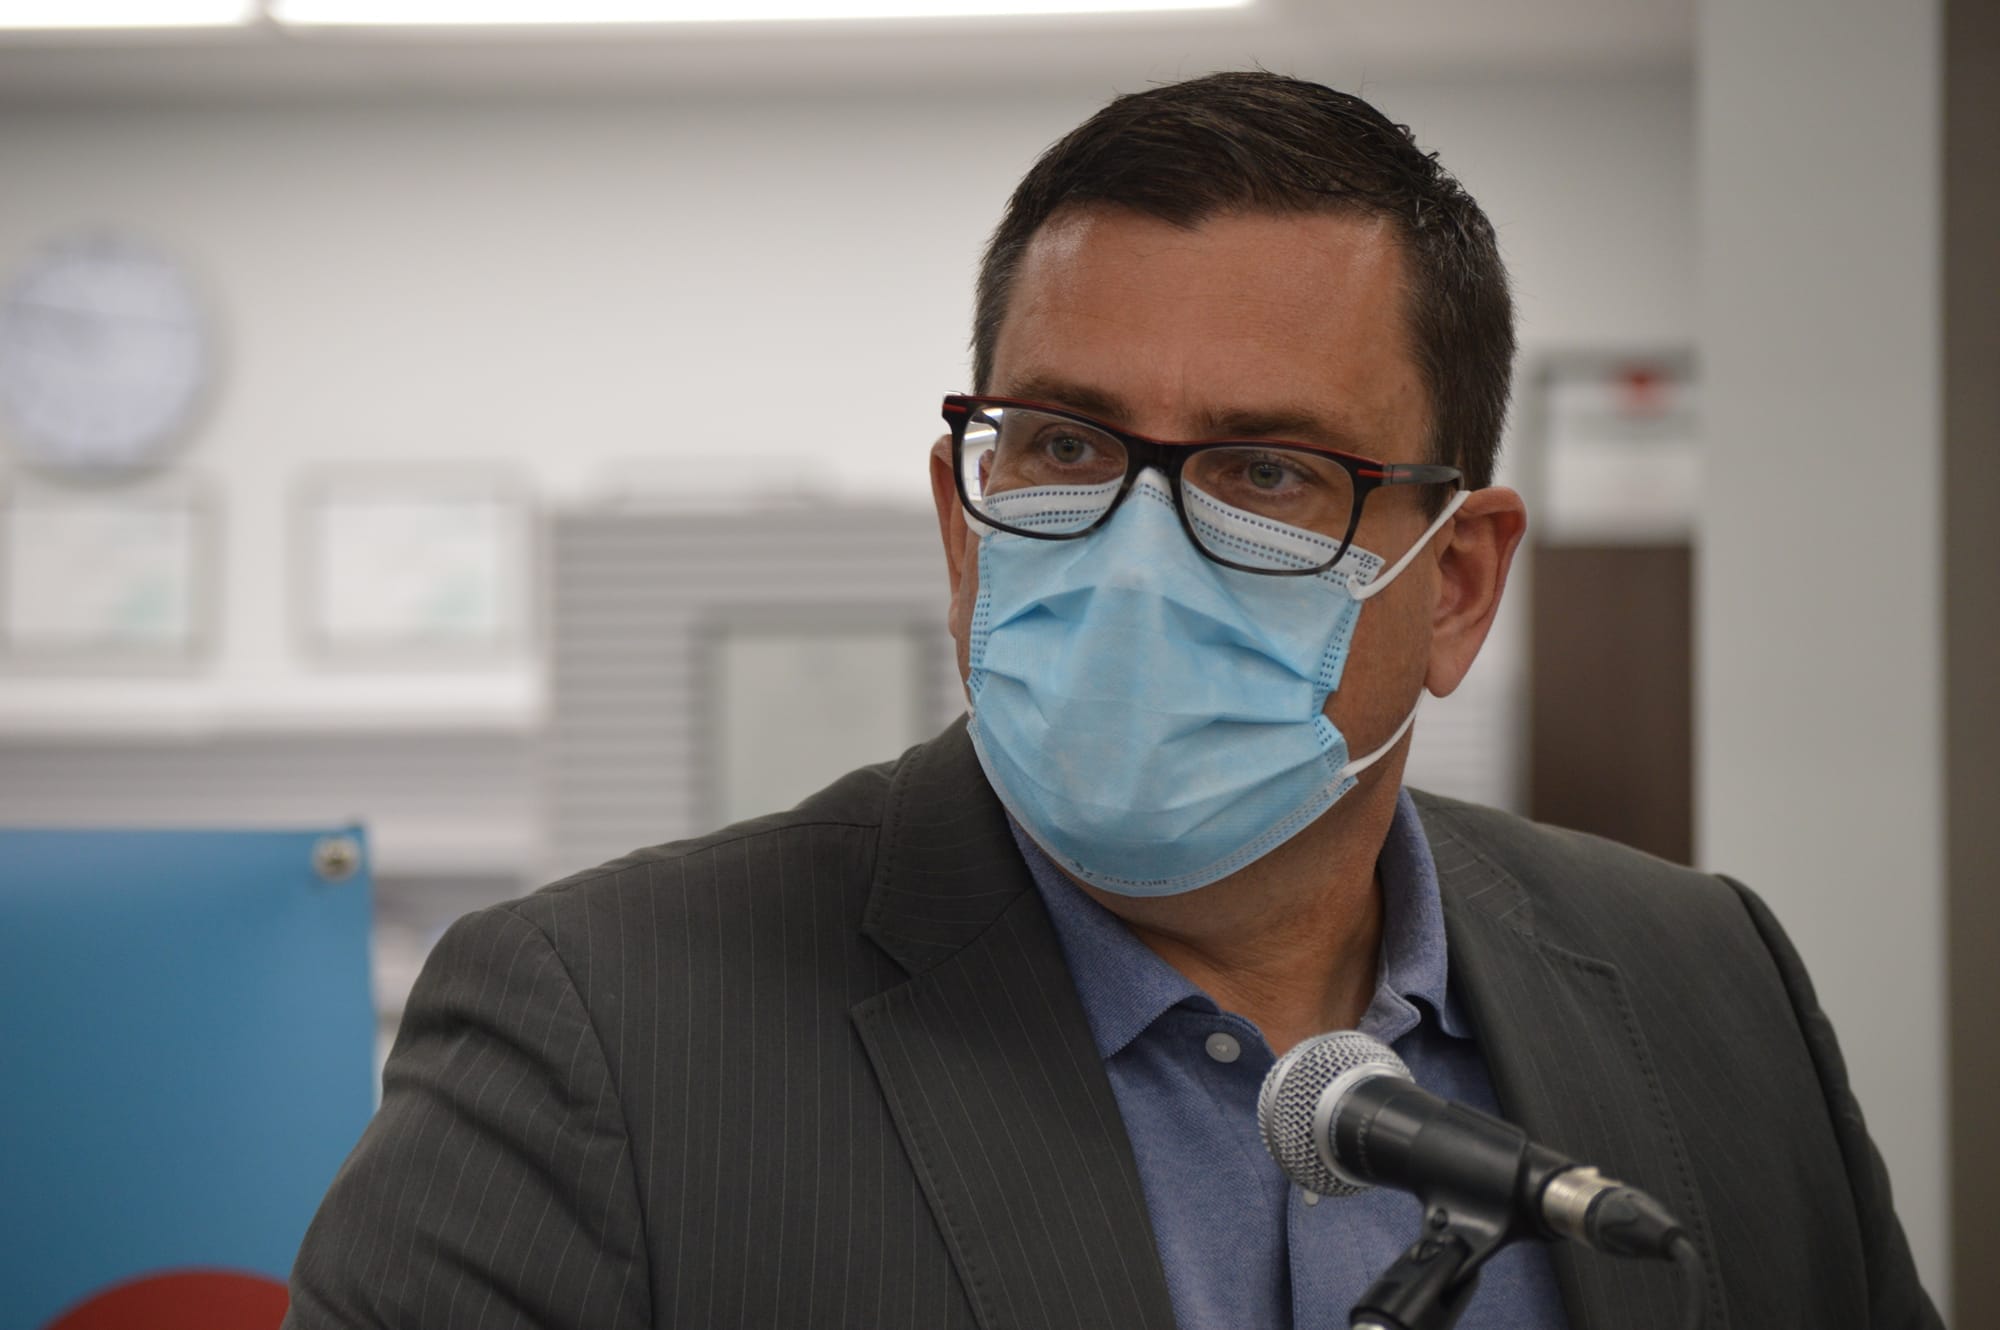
[[1412, 474]]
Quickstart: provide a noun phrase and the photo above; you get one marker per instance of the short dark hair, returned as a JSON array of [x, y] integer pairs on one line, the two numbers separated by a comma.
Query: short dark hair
[[1261, 142]]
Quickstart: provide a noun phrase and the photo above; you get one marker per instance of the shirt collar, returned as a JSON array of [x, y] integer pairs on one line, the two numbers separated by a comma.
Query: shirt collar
[[1125, 986], [1415, 966]]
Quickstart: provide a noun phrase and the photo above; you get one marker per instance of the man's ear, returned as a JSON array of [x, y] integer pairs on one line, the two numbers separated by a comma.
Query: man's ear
[[950, 515], [1472, 574]]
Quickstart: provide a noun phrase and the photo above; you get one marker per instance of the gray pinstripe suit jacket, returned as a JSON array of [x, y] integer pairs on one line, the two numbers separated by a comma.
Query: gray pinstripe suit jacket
[[827, 1068]]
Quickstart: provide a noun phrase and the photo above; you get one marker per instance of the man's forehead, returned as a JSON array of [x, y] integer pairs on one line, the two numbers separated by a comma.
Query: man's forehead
[[1247, 325]]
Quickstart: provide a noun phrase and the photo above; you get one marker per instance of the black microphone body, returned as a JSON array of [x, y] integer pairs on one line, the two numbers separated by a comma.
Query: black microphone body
[[1391, 1132], [1340, 1113]]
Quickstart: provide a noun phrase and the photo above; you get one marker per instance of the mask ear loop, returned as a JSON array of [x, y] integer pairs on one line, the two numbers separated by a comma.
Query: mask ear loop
[[1361, 764], [1363, 590]]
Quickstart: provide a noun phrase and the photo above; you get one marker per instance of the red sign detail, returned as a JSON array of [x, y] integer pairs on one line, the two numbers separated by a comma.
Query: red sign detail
[[181, 1300], [1642, 390]]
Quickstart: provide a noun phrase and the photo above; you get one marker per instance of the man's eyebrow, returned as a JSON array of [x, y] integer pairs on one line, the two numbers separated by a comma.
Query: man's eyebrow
[[1300, 425], [1055, 391], [1294, 423]]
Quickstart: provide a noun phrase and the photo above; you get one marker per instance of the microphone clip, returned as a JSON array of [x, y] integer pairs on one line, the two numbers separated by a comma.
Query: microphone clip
[[1428, 1287], [1471, 1209]]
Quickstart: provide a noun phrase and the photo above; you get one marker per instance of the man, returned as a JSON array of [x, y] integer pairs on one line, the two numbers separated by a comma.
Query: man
[[974, 1038]]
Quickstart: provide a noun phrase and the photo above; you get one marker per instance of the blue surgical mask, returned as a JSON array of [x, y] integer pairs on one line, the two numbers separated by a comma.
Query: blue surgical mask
[[1154, 719]]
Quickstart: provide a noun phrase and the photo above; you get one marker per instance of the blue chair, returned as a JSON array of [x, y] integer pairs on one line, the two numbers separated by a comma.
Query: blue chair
[[186, 1055]]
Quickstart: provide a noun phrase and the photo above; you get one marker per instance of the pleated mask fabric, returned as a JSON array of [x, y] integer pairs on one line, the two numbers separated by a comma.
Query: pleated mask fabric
[[1153, 718]]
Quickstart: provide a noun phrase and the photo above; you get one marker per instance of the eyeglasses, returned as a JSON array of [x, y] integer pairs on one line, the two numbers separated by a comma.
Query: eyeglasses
[[1263, 507]]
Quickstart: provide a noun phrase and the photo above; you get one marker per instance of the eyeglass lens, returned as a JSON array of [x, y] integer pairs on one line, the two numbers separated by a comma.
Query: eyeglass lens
[[1259, 507]]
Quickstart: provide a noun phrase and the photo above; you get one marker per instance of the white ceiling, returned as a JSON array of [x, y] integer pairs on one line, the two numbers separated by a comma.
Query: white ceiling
[[1351, 39]]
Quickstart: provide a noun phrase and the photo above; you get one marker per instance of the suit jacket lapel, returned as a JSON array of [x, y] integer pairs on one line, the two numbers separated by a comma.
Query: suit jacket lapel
[[989, 1070], [1569, 1064]]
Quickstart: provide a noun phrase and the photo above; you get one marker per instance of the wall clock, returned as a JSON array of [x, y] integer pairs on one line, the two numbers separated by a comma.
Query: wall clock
[[104, 356]]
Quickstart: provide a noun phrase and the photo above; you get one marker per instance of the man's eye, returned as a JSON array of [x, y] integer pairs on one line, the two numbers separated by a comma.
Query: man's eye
[[1266, 475], [1068, 448]]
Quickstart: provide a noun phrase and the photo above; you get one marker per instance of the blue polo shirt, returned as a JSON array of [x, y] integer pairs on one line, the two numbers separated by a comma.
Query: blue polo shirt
[[1241, 1245]]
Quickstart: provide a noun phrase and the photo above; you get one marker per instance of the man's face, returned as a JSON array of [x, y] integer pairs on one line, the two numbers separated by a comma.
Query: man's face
[[1249, 325]]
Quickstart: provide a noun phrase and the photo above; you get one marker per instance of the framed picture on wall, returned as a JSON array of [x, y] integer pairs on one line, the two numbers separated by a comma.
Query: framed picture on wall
[[1614, 440], [794, 696], [115, 579], [406, 566]]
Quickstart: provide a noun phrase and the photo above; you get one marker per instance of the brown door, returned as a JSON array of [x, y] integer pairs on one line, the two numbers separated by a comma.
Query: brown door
[[1611, 734]]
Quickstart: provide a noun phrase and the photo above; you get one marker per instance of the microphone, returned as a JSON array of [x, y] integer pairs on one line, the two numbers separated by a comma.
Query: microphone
[[1341, 1113]]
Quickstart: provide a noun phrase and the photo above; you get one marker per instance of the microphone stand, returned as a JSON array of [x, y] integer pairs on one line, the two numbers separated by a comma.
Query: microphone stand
[[1430, 1284], [1428, 1288]]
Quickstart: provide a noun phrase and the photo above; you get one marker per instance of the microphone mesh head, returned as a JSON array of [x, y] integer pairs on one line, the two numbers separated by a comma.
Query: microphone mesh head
[[1291, 1095]]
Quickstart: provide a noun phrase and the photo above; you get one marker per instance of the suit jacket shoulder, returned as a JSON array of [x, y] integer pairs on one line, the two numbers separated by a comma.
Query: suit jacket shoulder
[[1584, 891], [636, 1098], [822, 1068], [1654, 1020]]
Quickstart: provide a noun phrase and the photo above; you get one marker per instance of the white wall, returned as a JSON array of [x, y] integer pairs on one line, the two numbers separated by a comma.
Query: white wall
[[581, 290], [1820, 705]]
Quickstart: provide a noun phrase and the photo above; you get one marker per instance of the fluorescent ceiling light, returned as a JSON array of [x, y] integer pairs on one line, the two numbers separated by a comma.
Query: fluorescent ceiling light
[[504, 13], [74, 14]]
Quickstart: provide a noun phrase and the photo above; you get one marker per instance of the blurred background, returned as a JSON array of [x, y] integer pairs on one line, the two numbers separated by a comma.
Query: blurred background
[[509, 437]]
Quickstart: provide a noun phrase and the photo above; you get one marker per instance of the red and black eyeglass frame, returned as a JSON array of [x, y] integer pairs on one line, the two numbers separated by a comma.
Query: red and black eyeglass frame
[[1168, 456]]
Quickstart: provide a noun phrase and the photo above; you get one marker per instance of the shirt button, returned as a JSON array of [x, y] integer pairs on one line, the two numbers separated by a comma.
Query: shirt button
[[1223, 1047], [1312, 1197]]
